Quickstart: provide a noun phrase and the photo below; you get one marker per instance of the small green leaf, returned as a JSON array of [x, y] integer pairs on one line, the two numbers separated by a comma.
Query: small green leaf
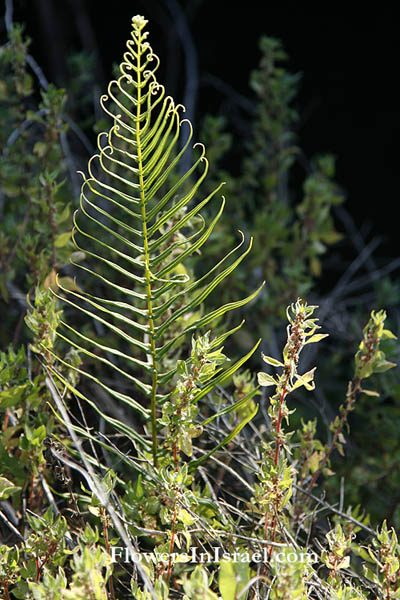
[[271, 361], [38, 435], [64, 215], [185, 444], [242, 571], [313, 462], [394, 566], [227, 580], [7, 488], [344, 563], [69, 284], [307, 380], [265, 379], [383, 365], [388, 335], [317, 337], [364, 554], [62, 239], [370, 393], [185, 517], [95, 510], [138, 489], [339, 448], [11, 396]]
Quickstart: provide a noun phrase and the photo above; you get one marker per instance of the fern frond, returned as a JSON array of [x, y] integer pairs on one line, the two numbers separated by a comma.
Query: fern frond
[[134, 223]]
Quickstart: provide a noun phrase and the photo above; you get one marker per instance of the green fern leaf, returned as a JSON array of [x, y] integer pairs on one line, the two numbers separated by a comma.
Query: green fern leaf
[[136, 214]]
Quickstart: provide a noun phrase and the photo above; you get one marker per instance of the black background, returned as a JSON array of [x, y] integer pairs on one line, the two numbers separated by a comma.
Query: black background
[[349, 99]]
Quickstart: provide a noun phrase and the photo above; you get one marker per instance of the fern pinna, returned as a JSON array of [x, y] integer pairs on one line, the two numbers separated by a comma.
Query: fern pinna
[[141, 219]]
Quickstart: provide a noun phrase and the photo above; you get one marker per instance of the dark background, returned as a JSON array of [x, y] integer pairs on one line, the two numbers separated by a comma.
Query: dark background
[[349, 98]]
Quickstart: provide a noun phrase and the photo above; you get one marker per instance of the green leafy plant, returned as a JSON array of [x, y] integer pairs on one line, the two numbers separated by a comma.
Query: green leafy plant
[[131, 208], [157, 464], [275, 487], [369, 359]]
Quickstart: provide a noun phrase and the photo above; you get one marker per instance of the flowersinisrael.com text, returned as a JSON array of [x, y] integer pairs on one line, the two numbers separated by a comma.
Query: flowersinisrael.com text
[[215, 555]]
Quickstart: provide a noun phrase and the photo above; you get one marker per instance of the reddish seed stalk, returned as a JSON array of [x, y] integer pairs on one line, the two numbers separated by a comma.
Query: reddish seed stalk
[[32, 490], [278, 425], [49, 554], [276, 457], [6, 419], [333, 571], [171, 546], [175, 451], [266, 526], [274, 524], [388, 594], [38, 569], [349, 405], [6, 592]]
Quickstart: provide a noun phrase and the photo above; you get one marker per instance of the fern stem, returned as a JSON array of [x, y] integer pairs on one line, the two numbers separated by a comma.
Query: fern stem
[[146, 256]]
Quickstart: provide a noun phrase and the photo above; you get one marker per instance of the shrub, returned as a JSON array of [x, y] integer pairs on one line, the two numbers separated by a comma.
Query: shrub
[[129, 437]]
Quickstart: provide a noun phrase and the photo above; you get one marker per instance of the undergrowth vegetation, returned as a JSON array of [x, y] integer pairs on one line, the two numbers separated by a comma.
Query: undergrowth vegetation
[[144, 452]]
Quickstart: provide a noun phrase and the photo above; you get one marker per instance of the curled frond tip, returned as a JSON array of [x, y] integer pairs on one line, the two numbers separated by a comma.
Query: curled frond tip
[[139, 22]]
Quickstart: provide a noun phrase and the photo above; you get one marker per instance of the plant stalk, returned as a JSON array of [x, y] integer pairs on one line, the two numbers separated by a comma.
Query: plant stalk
[[146, 259]]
